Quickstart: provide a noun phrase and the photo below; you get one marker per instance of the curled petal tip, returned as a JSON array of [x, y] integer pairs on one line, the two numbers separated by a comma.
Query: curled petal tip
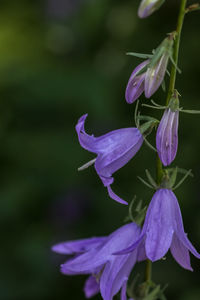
[[115, 197]]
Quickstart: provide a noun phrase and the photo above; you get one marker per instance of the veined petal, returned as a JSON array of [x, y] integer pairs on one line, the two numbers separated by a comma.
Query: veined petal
[[180, 253], [91, 287], [135, 86], [120, 147], [115, 273], [133, 246], [78, 246], [155, 75], [167, 136], [97, 257], [160, 225], [179, 228]]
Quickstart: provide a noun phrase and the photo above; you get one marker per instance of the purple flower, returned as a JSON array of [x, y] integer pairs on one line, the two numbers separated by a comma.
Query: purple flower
[[163, 229], [167, 136], [135, 86], [108, 273], [113, 150], [147, 7]]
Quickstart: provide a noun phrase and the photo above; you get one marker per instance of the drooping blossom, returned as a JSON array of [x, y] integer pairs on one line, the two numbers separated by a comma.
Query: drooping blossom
[[147, 7], [108, 273], [113, 150], [163, 230], [167, 136], [148, 76]]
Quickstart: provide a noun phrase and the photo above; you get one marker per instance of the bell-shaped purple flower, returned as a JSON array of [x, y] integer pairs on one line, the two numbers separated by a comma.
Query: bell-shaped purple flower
[[167, 136], [163, 230], [108, 273], [113, 150], [147, 7], [135, 86]]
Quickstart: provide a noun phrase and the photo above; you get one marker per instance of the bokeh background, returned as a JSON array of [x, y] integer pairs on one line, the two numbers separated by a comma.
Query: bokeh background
[[60, 59]]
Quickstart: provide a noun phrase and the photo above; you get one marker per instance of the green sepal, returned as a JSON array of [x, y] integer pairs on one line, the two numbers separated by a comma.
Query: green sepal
[[139, 55], [137, 213], [165, 48], [188, 111]]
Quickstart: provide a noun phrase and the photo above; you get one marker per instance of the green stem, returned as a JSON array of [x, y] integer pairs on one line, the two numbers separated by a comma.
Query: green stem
[[181, 16], [148, 271]]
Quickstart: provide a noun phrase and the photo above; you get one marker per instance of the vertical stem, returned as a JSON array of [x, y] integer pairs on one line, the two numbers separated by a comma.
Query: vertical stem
[[148, 270], [159, 170], [181, 16]]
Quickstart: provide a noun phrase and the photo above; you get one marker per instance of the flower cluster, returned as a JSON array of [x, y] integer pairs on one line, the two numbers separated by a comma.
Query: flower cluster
[[109, 260], [108, 273]]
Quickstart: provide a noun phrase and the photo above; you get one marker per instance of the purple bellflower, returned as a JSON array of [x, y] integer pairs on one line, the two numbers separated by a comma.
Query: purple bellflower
[[163, 229], [108, 273], [167, 136], [147, 7], [148, 76], [113, 150]]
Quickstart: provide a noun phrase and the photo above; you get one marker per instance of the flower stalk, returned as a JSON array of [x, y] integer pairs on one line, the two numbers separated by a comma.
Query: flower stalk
[[181, 16], [159, 169]]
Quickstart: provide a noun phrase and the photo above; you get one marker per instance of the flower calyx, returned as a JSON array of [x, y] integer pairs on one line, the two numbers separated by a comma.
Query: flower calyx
[[168, 180], [136, 212]]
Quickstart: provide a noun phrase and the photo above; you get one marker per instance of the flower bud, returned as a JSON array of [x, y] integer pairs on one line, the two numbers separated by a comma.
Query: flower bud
[[167, 133], [147, 7], [135, 86], [156, 69]]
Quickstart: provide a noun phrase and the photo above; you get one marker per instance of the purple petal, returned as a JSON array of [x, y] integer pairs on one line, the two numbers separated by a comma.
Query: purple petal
[[160, 225], [155, 75], [117, 148], [167, 137], [86, 141], [180, 253], [132, 247], [97, 257], [91, 287], [78, 246], [123, 291], [121, 146], [115, 273], [179, 229], [85, 263], [115, 197], [135, 86], [141, 251]]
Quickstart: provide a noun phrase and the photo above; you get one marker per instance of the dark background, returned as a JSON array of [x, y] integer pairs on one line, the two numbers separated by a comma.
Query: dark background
[[60, 59]]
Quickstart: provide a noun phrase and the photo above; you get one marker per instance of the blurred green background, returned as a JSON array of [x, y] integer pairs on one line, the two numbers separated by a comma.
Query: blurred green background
[[60, 59]]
